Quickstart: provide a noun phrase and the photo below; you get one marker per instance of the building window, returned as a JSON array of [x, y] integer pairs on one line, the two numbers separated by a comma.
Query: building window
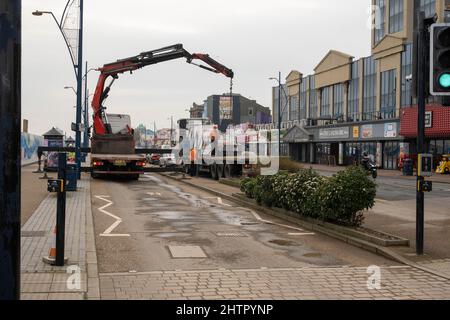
[[250, 111], [380, 22], [293, 108], [429, 6], [406, 76], [388, 96], [370, 89], [338, 101], [312, 98], [353, 94], [303, 98], [325, 102], [395, 16]]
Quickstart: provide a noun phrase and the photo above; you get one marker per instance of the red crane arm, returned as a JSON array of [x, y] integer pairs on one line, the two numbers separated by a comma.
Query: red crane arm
[[137, 62]]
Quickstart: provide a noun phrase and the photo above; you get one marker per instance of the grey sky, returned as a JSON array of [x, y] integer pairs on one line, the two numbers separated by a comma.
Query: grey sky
[[256, 38]]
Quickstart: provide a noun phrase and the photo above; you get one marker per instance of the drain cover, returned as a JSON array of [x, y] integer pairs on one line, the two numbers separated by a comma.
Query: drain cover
[[187, 252], [34, 234], [231, 234]]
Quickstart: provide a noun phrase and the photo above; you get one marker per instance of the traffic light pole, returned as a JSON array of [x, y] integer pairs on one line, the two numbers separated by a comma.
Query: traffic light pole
[[421, 104], [10, 153]]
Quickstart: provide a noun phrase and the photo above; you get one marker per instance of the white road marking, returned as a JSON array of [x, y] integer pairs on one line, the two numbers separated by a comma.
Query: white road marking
[[302, 234], [257, 217], [219, 201], [108, 232], [153, 194]]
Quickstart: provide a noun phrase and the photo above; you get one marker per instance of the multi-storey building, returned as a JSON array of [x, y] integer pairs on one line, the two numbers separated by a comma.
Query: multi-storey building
[[349, 106], [225, 110]]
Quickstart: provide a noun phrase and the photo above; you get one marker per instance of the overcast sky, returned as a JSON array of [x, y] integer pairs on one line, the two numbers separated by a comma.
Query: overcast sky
[[255, 38]]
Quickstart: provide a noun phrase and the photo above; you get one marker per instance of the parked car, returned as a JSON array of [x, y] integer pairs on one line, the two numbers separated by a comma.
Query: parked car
[[154, 158], [167, 160]]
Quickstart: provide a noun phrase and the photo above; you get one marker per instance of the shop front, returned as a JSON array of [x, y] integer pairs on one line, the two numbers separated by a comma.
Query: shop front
[[345, 145], [437, 131]]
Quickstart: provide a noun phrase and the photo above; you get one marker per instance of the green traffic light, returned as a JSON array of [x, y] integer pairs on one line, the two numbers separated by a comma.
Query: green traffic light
[[444, 80]]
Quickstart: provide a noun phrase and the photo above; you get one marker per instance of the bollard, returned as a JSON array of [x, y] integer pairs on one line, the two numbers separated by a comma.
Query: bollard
[[58, 258]]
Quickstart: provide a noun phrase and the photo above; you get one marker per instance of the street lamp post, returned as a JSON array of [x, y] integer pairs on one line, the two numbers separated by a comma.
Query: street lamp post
[[280, 88], [78, 68], [171, 131]]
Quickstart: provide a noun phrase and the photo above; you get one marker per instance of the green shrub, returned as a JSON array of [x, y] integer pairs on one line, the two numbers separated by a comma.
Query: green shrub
[[345, 195], [248, 186], [340, 199], [300, 193]]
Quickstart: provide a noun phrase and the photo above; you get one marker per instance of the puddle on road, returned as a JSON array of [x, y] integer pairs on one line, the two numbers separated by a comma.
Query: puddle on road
[[312, 255], [283, 243], [173, 215], [172, 235]]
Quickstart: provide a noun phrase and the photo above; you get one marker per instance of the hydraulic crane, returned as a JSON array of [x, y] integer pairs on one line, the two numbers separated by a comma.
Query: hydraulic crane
[[114, 152], [140, 61]]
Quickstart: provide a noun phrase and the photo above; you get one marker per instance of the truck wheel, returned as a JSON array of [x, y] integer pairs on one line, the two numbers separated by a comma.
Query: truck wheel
[[227, 173], [447, 170], [214, 172], [220, 172]]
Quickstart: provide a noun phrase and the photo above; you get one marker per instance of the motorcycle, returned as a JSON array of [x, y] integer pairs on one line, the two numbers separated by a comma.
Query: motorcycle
[[371, 169]]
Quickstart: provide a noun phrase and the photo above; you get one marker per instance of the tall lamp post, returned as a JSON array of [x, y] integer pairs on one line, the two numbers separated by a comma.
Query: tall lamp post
[[86, 107], [280, 88], [78, 68], [171, 131]]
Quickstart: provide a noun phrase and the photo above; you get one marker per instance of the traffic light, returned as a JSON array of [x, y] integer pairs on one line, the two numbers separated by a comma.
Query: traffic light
[[440, 59]]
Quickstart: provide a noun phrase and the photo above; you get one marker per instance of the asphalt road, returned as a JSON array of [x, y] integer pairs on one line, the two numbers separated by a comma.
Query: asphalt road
[[138, 223]]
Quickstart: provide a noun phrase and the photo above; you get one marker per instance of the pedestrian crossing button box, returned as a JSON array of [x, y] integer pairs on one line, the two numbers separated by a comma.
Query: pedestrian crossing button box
[[55, 185], [425, 186], [425, 165]]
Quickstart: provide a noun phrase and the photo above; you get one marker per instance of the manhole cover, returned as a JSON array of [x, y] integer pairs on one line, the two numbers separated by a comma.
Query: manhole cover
[[187, 252], [231, 234], [34, 234]]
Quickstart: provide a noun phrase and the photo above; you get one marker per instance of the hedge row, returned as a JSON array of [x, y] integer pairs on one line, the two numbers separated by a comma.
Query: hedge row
[[340, 199]]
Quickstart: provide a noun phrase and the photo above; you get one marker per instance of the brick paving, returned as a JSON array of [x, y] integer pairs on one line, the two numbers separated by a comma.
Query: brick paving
[[442, 265], [40, 281], [343, 283], [34, 248]]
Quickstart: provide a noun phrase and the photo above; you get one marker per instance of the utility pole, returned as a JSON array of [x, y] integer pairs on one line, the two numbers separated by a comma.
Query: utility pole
[[154, 135], [10, 153], [279, 114], [421, 68], [86, 110], [79, 93]]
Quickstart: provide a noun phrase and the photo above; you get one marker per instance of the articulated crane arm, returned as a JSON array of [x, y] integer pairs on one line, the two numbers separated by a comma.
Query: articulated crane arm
[[113, 70]]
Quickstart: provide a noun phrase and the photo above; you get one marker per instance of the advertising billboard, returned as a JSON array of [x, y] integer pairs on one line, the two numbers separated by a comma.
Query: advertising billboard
[[225, 108]]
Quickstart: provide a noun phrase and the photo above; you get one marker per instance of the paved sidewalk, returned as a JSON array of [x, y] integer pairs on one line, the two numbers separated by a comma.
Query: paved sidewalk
[[41, 281], [396, 283]]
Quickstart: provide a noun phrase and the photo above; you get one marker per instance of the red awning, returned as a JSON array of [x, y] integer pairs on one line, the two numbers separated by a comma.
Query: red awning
[[440, 122]]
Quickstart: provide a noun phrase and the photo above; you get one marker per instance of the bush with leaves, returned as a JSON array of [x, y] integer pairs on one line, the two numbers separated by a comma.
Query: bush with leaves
[[345, 196], [300, 193], [248, 187]]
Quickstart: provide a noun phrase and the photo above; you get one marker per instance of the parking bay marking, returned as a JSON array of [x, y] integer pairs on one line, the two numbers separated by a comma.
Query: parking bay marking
[[108, 232]]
